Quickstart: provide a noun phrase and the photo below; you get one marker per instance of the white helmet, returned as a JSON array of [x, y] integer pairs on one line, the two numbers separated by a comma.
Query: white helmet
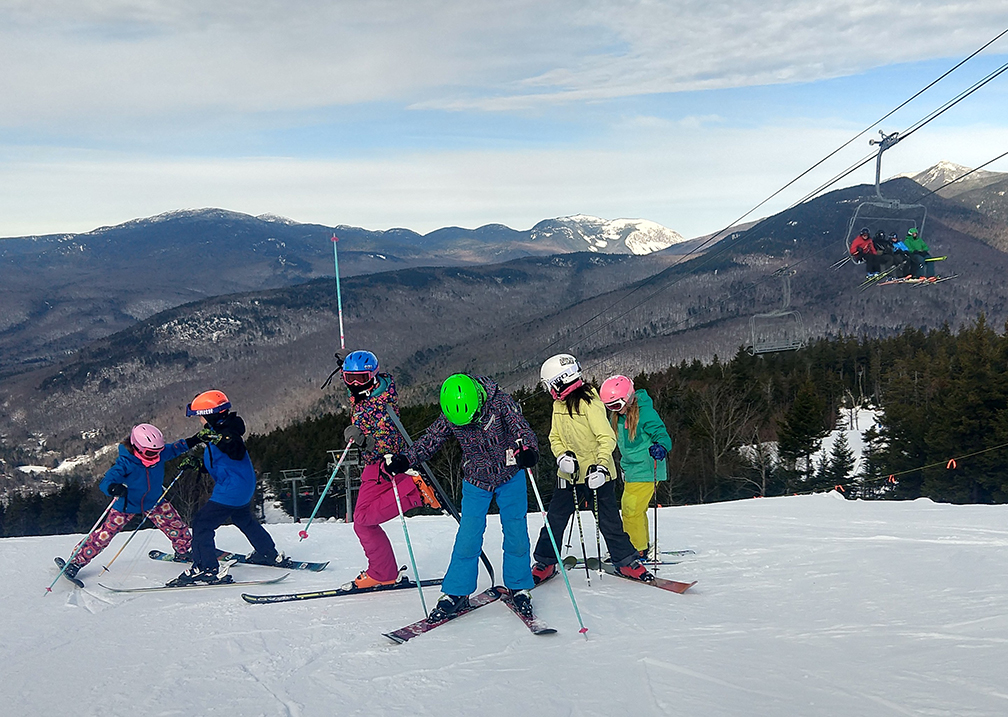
[[560, 375]]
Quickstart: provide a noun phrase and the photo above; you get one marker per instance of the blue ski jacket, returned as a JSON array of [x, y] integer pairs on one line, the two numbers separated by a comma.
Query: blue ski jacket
[[228, 463], [143, 485]]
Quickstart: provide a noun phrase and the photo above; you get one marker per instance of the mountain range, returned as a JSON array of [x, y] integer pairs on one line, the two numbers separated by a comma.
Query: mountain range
[[59, 292], [271, 349]]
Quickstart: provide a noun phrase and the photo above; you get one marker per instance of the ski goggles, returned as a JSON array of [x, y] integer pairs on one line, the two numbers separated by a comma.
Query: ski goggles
[[149, 453], [616, 405], [357, 378]]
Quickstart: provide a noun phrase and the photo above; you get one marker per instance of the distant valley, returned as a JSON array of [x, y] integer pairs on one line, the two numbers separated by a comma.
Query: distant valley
[[271, 349]]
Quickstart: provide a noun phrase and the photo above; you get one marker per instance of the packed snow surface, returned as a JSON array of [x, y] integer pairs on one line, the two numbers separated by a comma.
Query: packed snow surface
[[806, 606]]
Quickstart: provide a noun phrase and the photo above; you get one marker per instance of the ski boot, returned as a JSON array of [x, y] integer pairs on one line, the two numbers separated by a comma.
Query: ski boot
[[202, 576], [522, 600], [427, 493], [636, 571], [257, 558], [447, 605], [366, 581], [71, 570], [542, 571], [185, 557]]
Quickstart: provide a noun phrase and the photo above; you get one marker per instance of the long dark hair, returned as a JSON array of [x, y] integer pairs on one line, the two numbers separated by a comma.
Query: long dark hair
[[575, 397]]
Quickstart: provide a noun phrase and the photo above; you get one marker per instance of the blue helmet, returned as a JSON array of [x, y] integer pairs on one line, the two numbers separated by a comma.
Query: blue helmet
[[360, 368]]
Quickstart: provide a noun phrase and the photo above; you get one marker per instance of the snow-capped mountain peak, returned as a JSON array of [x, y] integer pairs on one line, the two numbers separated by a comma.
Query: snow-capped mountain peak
[[633, 236]]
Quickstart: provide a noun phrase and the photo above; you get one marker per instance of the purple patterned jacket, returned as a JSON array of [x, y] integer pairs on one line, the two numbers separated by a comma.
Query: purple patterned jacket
[[488, 443], [369, 415]]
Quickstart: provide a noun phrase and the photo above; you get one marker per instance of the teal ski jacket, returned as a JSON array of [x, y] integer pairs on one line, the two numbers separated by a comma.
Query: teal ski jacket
[[637, 464]]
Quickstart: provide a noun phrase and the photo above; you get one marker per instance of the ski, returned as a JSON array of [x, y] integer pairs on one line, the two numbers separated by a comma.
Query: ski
[[337, 592], [421, 626], [594, 561], [222, 555], [158, 588], [937, 258], [671, 585], [872, 280], [919, 281], [60, 562], [679, 553], [534, 624]]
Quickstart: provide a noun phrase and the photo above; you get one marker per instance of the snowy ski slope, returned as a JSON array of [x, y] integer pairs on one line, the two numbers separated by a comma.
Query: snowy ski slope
[[806, 606]]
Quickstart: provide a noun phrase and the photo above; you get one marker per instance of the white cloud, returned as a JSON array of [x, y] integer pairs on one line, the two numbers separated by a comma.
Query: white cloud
[[691, 182], [80, 62]]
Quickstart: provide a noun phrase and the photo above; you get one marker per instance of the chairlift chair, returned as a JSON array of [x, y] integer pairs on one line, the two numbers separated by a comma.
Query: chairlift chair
[[781, 330], [889, 215]]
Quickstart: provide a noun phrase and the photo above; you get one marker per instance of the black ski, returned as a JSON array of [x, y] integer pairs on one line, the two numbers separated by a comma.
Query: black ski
[[337, 592], [421, 626], [223, 555], [231, 583], [60, 562]]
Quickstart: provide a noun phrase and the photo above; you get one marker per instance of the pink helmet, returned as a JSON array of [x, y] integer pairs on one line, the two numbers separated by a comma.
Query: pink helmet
[[148, 443], [616, 392]]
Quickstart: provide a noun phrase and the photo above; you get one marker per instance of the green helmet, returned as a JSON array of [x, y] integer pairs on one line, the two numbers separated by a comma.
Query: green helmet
[[912, 232], [461, 398]]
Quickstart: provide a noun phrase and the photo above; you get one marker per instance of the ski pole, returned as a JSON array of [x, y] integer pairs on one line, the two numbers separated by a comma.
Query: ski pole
[[656, 514], [577, 513], [556, 551], [409, 546], [318, 504], [442, 494], [105, 568], [339, 297], [76, 549], [598, 530]]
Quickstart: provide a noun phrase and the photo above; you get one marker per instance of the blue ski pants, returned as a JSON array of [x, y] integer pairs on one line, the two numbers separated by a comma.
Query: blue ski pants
[[512, 502], [213, 515]]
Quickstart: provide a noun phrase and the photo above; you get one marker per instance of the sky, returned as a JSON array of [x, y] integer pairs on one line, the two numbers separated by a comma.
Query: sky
[[432, 113]]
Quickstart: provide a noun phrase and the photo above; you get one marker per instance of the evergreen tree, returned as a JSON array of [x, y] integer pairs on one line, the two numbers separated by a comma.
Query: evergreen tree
[[840, 463], [801, 432]]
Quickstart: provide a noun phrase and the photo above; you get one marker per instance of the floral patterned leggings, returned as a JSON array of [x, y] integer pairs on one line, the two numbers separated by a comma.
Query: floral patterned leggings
[[164, 516]]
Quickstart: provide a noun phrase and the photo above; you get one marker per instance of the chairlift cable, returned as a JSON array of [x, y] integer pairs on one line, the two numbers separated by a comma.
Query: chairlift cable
[[842, 175]]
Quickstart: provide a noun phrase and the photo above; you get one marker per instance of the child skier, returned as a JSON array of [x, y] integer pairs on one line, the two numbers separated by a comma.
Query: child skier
[[230, 467], [371, 395], [583, 442], [497, 445], [644, 442], [137, 477]]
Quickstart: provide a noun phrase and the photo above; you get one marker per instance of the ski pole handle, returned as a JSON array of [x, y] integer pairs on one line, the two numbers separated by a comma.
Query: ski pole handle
[[318, 504]]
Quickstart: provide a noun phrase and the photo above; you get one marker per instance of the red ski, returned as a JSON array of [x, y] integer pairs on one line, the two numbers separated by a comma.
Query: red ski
[[672, 585], [421, 626], [537, 626]]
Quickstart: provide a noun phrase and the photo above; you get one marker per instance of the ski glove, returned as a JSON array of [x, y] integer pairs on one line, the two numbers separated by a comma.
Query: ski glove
[[116, 489], [596, 476], [657, 451], [393, 465], [567, 462], [355, 434], [526, 457], [206, 435]]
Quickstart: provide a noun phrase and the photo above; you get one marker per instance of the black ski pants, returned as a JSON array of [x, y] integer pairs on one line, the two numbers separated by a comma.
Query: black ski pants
[[610, 524], [212, 516]]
